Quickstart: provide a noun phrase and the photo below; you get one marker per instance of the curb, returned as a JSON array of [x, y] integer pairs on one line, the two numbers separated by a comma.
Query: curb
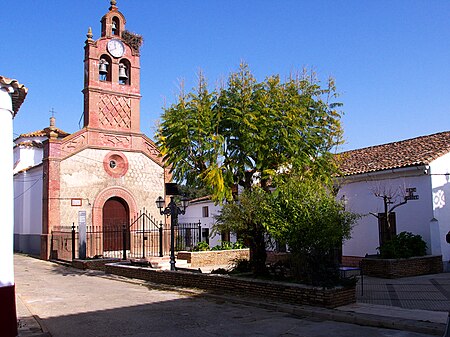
[[28, 325]]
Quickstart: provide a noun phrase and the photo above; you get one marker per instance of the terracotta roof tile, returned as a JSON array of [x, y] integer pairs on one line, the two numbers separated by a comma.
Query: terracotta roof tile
[[44, 133], [406, 153], [204, 198], [19, 94], [30, 143]]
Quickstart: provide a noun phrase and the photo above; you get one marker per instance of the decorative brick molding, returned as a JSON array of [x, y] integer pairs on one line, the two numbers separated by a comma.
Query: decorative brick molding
[[115, 164], [114, 111], [103, 196], [396, 268], [73, 143], [214, 257], [277, 291]]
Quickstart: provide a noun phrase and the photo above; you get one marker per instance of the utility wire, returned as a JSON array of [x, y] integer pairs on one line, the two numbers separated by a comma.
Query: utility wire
[[29, 188]]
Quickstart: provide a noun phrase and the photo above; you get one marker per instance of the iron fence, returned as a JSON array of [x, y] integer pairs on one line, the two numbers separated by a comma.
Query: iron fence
[[142, 238]]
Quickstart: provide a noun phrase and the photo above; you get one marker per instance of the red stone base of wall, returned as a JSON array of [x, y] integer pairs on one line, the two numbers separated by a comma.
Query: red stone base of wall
[[8, 316]]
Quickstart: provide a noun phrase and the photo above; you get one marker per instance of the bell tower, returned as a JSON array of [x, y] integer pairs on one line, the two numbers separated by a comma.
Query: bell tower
[[111, 77]]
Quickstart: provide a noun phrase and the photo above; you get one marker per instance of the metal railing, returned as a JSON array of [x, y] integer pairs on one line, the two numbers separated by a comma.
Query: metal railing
[[143, 238]]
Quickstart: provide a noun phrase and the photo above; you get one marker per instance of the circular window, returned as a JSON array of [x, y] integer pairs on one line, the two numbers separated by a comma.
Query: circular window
[[115, 164]]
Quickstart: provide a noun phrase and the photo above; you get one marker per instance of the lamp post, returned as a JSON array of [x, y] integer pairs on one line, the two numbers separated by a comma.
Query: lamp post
[[173, 210]]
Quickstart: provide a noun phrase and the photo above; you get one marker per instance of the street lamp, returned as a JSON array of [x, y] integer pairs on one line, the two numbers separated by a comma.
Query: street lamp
[[173, 210]]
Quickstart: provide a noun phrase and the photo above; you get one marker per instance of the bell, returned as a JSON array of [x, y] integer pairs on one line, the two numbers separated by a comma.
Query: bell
[[122, 72], [103, 67]]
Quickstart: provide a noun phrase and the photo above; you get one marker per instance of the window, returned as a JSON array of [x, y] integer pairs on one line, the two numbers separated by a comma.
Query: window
[[205, 211], [205, 235]]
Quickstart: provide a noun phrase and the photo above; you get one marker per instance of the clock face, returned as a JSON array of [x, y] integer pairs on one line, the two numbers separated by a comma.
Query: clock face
[[116, 48]]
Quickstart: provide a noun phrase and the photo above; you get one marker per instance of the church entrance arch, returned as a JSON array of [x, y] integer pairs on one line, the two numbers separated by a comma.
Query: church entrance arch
[[116, 215]]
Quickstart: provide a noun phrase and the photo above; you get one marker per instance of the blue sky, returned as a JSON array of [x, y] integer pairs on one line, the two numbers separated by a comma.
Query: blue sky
[[390, 59]]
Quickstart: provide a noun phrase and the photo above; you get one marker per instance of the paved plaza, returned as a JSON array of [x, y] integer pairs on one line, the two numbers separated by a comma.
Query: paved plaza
[[70, 302], [427, 292]]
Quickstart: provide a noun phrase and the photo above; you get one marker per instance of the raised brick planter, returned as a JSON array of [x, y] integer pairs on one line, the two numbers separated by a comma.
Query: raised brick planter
[[277, 291], [396, 268], [214, 257]]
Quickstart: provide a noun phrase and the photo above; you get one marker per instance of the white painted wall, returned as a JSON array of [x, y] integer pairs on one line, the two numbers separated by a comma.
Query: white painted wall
[[6, 196], [413, 217], [194, 214], [27, 156], [28, 210], [440, 181]]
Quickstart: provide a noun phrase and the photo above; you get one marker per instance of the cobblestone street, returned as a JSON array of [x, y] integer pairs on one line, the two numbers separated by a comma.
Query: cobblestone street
[[70, 302]]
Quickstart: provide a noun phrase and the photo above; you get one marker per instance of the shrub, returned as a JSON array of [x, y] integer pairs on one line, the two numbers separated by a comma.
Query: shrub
[[403, 245], [240, 266], [239, 245], [224, 245], [201, 247]]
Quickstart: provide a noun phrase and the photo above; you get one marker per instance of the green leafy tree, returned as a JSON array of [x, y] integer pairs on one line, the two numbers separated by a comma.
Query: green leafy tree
[[247, 132], [247, 217]]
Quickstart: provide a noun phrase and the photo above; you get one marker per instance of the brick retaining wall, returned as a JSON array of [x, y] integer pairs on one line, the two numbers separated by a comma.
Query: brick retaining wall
[[213, 257], [351, 261], [395, 268], [96, 264], [277, 291]]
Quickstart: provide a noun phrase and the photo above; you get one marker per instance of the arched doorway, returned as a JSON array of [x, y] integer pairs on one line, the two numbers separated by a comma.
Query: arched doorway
[[116, 214]]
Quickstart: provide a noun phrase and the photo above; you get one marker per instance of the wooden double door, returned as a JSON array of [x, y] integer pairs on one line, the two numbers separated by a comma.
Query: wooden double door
[[116, 217]]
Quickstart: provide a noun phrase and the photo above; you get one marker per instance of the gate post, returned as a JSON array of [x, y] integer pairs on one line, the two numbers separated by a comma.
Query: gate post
[[199, 231], [161, 239], [124, 242], [143, 235], [73, 241]]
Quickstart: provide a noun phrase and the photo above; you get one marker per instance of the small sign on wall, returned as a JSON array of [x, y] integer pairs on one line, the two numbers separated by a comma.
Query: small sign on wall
[[76, 202], [410, 194]]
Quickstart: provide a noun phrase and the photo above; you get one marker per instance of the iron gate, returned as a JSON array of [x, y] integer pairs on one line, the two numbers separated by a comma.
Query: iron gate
[[143, 238]]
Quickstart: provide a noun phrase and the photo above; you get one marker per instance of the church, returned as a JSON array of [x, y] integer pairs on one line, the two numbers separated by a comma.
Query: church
[[101, 175]]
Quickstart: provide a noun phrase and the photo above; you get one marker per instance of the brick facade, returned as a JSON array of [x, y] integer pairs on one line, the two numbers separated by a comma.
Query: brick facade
[[109, 157]]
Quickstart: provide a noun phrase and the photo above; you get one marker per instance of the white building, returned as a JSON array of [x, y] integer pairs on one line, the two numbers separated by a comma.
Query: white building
[[28, 182], [12, 95], [202, 210], [418, 169]]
